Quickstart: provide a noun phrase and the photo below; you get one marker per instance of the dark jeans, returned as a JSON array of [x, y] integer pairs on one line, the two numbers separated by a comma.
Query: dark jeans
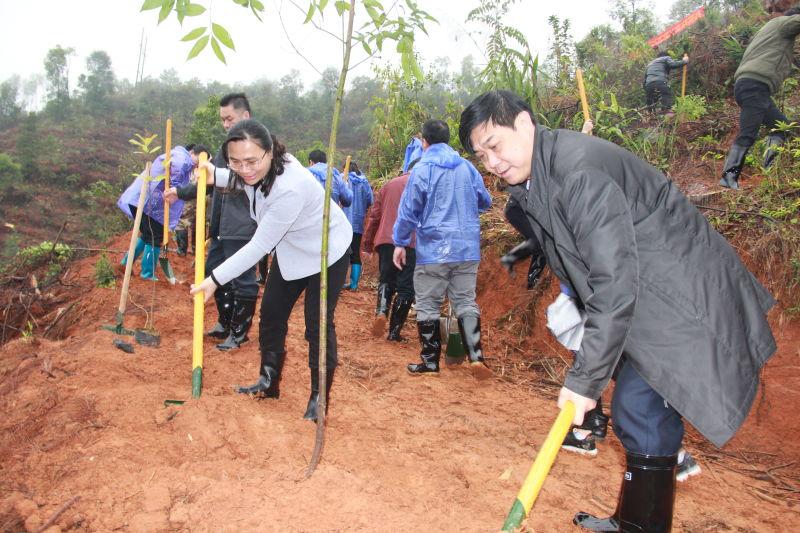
[[355, 249], [221, 249], [658, 91], [152, 230], [400, 281], [279, 298], [756, 108], [643, 420]]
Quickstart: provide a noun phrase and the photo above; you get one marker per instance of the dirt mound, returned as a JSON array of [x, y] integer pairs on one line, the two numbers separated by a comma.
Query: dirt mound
[[81, 418]]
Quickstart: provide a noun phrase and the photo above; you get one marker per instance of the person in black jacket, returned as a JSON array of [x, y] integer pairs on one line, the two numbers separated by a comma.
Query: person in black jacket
[[655, 83], [231, 228], [666, 297]]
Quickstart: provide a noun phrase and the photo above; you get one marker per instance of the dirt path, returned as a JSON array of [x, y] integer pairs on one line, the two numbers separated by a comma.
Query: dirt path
[[446, 453]]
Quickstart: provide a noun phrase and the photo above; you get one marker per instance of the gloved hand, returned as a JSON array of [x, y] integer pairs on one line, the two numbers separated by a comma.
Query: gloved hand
[[517, 253]]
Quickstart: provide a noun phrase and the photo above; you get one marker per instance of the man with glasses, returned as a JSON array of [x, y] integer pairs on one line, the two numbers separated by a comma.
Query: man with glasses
[[231, 228]]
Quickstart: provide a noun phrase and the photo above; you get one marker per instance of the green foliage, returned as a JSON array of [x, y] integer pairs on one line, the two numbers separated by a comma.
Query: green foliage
[[104, 276], [10, 109], [56, 66], [10, 171], [562, 53], [206, 128], [635, 16], [98, 83], [28, 144], [46, 255], [689, 107]]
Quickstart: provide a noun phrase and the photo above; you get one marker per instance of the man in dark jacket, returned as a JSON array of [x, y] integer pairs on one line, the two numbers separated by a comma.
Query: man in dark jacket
[[765, 64], [667, 299], [231, 227], [656, 87]]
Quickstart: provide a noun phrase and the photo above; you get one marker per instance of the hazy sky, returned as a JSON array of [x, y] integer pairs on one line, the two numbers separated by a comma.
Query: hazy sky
[[31, 28]]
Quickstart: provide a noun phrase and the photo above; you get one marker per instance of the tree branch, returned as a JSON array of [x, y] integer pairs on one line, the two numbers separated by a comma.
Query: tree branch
[[317, 26], [286, 33]]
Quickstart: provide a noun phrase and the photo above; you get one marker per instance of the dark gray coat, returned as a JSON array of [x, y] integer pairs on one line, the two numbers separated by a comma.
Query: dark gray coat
[[658, 283], [658, 69]]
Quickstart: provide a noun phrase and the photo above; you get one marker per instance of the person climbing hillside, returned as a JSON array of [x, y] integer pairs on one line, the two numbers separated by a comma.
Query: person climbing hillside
[[355, 213], [656, 85], [765, 65], [152, 225], [441, 203], [391, 280], [287, 203], [230, 228], [341, 193], [666, 297]]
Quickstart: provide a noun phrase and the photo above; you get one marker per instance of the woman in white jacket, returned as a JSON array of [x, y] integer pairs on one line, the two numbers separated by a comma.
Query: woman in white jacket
[[287, 203]]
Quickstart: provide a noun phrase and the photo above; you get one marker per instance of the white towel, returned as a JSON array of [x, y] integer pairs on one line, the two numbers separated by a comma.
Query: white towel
[[566, 321]]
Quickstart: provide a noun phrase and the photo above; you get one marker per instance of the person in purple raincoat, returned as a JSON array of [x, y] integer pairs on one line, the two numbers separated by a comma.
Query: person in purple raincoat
[[152, 224]]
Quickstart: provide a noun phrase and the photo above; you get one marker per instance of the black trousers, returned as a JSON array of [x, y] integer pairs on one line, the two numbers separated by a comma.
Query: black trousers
[[221, 249], [400, 281], [643, 421], [279, 298], [152, 230], [355, 249], [658, 91], [756, 109]]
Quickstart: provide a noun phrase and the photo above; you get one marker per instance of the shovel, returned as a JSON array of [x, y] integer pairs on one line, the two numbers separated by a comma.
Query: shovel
[[118, 328], [454, 352], [163, 260]]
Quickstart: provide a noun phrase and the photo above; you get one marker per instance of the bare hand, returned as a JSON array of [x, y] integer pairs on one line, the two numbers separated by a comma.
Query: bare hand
[[207, 287], [587, 128], [686, 57], [171, 195], [399, 257], [582, 404], [210, 169]]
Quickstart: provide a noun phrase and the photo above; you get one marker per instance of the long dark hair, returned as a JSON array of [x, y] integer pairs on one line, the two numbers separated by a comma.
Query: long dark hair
[[254, 131]]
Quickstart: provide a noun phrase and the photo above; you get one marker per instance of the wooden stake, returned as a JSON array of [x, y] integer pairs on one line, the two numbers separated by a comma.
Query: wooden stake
[[582, 91]]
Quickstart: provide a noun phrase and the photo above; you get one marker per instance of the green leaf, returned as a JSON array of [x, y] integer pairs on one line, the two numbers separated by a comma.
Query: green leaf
[[256, 13], [198, 47], [342, 6], [322, 4], [166, 8], [223, 35], [367, 48], [194, 34], [218, 50], [151, 4], [193, 10], [310, 14]]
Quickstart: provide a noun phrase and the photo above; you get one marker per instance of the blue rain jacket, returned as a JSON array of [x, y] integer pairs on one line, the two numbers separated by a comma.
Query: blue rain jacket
[[362, 199], [413, 151], [442, 201], [180, 166], [340, 191]]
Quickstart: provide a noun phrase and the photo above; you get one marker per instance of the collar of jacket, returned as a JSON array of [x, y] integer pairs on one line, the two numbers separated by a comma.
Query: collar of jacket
[[535, 198]]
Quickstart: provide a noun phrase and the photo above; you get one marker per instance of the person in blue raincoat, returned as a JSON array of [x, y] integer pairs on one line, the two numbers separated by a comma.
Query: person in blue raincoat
[[152, 225], [413, 152], [340, 191], [441, 202], [355, 212]]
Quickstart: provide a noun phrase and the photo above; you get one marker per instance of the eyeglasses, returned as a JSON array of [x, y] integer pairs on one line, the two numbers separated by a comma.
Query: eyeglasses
[[245, 164]]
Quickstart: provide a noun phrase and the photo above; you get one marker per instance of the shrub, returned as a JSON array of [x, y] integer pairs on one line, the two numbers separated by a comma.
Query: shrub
[[104, 273]]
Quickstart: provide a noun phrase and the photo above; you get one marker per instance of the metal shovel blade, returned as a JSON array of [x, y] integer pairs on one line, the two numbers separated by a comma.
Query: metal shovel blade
[[146, 338], [167, 268]]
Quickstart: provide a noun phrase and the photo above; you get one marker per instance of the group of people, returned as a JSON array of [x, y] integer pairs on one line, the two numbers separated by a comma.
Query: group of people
[[766, 63], [668, 310]]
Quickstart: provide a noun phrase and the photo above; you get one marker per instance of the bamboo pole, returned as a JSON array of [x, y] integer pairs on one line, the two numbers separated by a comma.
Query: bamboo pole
[[137, 220], [582, 91], [199, 276], [167, 162], [346, 170], [683, 80], [541, 467]]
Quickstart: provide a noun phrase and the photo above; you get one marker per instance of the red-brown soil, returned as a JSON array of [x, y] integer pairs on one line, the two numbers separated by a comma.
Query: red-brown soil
[[81, 418]]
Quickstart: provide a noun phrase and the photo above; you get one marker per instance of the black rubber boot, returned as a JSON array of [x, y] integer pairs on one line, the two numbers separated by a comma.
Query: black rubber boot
[[269, 380], [224, 299], [241, 320], [774, 141], [470, 328], [431, 342], [313, 399], [182, 240], [382, 310], [646, 498], [733, 166], [596, 422], [400, 308]]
